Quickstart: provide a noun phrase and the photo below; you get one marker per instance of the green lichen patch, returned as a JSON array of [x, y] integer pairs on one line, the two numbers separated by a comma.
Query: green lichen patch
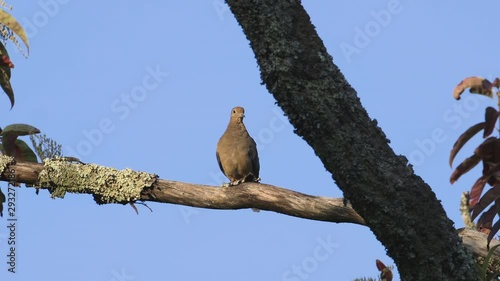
[[108, 185]]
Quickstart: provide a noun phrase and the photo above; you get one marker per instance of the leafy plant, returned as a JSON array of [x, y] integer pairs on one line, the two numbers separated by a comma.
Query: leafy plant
[[17, 148], [385, 273], [483, 269], [45, 147], [9, 29], [488, 152]]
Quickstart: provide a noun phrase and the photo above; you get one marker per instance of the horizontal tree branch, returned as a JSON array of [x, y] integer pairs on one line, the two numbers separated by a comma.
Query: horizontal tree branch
[[246, 195], [475, 241], [254, 195]]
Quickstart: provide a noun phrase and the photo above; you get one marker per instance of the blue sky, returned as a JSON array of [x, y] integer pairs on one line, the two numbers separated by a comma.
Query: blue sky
[[149, 86]]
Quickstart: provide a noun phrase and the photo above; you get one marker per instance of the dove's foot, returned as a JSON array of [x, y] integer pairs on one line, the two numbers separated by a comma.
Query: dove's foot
[[233, 183]]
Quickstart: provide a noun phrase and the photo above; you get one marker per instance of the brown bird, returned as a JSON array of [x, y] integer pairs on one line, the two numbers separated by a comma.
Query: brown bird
[[237, 152]]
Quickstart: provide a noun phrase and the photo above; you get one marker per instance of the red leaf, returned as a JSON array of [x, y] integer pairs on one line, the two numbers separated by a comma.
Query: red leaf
[[490, 118], [466, 136], [493, 231], [476, 191], [496, 83], [486, 219], [489, 151], [5, 60], [386, 273], [464, 167], [477, 85], [489, 196], [15, 147], [380, 265]]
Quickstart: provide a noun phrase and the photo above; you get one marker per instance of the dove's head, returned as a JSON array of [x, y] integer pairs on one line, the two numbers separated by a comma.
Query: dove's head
[[237, 114]]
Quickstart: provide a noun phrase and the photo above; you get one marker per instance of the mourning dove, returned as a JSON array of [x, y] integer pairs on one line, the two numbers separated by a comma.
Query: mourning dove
[[237, 151]]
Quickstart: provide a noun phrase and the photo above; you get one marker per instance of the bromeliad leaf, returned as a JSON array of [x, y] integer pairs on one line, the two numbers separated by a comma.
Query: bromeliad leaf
[[476, 85], [486, 168], [464, 167], [476, 191], [489, 196], [493, 232], [489, 151], [466, 136], [490, 118], [486, 219]]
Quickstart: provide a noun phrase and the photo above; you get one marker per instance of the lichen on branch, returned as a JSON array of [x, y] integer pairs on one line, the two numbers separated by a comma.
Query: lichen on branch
[[108, 185], [5, 161]]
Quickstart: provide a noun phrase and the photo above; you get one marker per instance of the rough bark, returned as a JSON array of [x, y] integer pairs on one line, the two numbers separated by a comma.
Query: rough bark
[[397, 205]]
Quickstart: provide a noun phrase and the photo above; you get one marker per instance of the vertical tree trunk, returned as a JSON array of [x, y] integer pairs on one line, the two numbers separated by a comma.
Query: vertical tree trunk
[[398, 206]]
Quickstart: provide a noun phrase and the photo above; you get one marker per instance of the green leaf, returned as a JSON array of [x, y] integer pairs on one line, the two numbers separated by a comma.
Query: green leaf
[[20, 129], [5, 66], [486, 262], [5, 62], [27, 153], [18, 149], [12, 24], [6, 86]]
